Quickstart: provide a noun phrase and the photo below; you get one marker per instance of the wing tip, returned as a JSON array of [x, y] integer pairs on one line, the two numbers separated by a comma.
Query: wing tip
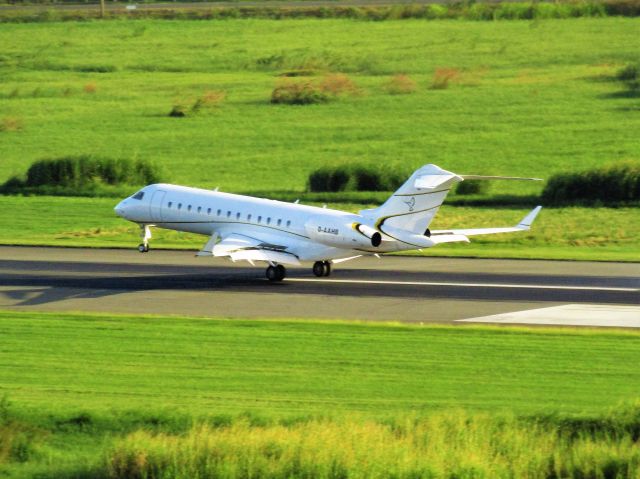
[[528, 220]]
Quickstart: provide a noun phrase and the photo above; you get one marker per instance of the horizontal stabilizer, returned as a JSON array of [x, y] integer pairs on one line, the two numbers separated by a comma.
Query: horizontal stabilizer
[[431, 182], [480, 177], [524, 225]]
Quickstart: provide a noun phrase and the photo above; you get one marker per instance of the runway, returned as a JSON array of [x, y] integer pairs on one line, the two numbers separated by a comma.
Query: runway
[[418, 289]]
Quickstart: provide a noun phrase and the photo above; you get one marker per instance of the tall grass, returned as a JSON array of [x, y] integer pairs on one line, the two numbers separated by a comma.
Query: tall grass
[[306, 91], [449, 444], [17, 440], [400, 84]]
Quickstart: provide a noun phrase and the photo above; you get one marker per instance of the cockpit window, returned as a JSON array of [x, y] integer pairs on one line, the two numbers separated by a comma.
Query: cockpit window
[[138, 196]]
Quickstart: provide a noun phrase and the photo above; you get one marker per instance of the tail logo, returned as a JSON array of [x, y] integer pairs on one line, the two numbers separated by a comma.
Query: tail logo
[[411, 203]]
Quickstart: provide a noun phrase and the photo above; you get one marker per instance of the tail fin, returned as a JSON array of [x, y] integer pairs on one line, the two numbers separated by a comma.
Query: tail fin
[[413, 206]]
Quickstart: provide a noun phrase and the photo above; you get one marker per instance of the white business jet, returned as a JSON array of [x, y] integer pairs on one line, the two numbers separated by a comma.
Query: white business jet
[[279, 233]]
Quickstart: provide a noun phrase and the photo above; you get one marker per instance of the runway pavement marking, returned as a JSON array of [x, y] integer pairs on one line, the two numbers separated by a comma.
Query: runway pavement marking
[[569, 315], [465, 285]]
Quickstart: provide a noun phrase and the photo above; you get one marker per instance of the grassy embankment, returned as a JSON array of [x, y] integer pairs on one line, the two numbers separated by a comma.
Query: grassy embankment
[[524, 98], [78, 385]]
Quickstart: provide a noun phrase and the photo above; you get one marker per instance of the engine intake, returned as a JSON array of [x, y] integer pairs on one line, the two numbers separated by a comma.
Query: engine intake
[[371, 233]]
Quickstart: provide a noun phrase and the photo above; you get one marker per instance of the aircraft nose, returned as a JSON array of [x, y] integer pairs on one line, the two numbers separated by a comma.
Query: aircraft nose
[[120, 208]]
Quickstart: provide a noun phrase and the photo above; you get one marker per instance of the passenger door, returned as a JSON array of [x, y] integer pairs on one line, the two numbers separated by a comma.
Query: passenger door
[[155, 207]]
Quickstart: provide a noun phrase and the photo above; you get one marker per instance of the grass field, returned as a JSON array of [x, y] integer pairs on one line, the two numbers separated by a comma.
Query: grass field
[[75, 383], [526, 98], [598, 234]]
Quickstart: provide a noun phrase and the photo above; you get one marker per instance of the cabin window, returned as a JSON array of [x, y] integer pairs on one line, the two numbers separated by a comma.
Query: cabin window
[[219, 212], [248, 217], [269, 220], [237, 216], [169, 204], [189, 208], [209, 211], [179, 206], [228, 214], [279, 222], [138, 196], [288, 223], [259, 219], [199, 209]]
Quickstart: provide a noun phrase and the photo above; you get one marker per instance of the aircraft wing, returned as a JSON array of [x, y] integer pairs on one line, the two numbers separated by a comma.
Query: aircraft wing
[[446, 236], [247, 248]]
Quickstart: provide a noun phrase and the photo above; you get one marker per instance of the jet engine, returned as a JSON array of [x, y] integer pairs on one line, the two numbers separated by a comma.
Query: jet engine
[[342, 234]]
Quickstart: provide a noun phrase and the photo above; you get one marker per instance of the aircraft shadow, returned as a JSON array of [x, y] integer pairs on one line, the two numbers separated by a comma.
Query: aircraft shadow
[[38, 289]]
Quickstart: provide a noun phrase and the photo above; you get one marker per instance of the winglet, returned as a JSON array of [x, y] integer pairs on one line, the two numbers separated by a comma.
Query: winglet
[[527, 221]]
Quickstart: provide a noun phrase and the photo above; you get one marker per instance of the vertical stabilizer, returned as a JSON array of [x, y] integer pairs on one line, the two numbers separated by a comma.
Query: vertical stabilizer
[[413, 206]]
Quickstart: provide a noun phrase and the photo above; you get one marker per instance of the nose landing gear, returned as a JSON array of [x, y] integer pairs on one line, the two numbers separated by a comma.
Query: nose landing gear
[[276, 272], [145, 234], [322, 268]]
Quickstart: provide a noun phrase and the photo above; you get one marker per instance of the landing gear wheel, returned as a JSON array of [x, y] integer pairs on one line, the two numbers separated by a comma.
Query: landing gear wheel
[[327, 268], [319, 268], [276, 273], [143, 248]]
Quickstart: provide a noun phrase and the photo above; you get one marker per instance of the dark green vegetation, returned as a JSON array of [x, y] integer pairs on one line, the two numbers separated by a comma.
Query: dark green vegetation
[[77, 383], [357, 177], [83, 176], [458, 10], [618, 183]]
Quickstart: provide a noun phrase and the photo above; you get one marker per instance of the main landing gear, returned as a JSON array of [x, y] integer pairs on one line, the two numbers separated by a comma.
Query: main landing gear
[[276, 272], [145, 234], [322, 268]]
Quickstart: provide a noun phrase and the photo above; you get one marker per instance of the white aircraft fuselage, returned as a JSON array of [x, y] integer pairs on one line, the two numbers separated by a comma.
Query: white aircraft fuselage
[[278, 233], [311, 233]]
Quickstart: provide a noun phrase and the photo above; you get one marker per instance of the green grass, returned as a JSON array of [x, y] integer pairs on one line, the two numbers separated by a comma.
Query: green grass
[[598, 234], [76, 382], [65, 363], [531, 98]]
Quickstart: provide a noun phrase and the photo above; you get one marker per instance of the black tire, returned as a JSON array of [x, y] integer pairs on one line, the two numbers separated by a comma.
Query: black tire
[[271, 273], [319, 269], [142, 248], [327, 268], [274, 273]]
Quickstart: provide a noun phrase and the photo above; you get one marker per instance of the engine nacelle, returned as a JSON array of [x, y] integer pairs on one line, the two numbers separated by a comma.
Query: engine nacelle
[[342, 234], [407, 237]]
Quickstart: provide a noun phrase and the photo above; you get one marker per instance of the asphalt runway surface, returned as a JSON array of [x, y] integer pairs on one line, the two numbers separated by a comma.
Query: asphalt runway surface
[[419, 289]]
